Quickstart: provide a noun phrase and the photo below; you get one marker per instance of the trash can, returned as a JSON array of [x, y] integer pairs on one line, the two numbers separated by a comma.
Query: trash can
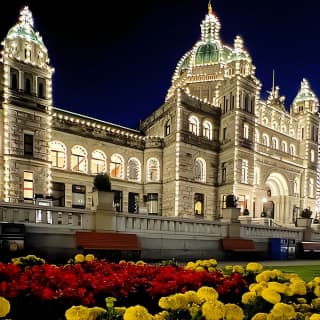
[[291, 248], [279, 249]]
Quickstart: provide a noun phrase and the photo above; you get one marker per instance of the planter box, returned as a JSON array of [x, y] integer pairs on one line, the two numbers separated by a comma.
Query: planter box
[[231, 214], [304, 222]]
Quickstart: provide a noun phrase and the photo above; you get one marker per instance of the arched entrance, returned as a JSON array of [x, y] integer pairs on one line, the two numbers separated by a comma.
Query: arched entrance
[[277, 197]]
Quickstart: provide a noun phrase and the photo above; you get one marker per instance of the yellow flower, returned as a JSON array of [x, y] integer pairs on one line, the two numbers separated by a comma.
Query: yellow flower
[[77, 313], [199, 269], [302, 300], [122, 262], [316, 303], [207, 293], [163, 315], [271, 296], [298, 287], [190, 265], [283, 311], [264, 276], [137, 313], [248, 297], [276, 286], [95, 312], [238, 269], [315, 316], [317, 291], [213, 262], [232, 312], [260, 316], [4, 307], [89, 257], [212, 310], [211, 269], [140, 263], [228, 268], [258, 287], [192, 297], [79, 257], [254, 267]]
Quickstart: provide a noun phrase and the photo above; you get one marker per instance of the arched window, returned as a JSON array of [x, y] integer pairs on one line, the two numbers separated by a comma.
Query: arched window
[[284, 146], [153, 170], [117, 166], [265, 140], [292, 150], [275, 143], [194, 125], [207, 130], [134, 169], [79, 161], [200, 170], [311, 188], [167, 128], [98, 162], [58, 153]]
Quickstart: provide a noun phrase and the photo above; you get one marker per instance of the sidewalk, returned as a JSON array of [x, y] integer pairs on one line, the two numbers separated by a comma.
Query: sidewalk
[[289, 262]]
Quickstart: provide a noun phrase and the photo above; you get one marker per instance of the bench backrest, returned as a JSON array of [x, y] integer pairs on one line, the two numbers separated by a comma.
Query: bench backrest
[[237, 243], [107, 241], [310, 245]]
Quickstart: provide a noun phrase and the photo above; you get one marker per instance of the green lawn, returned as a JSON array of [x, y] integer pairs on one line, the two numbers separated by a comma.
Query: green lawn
[[307, 273]]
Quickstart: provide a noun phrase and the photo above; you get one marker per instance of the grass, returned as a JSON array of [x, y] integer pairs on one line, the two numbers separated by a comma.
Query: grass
[[307, 273]]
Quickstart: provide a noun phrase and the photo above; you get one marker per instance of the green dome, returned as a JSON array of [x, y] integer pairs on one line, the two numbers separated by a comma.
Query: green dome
[[25, 32], [207, 53]]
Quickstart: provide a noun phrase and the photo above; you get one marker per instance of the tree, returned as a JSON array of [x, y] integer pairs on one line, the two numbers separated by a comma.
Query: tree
[[102, 182]]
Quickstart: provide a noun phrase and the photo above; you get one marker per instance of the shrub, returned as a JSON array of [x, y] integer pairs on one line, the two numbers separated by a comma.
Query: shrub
[[306, 213], [231, 201]]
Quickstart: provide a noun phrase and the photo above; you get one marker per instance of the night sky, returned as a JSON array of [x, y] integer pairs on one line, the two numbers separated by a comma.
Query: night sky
[[114, 60]]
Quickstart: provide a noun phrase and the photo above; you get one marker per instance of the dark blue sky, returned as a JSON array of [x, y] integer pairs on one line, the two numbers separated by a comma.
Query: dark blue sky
[[114, 60]]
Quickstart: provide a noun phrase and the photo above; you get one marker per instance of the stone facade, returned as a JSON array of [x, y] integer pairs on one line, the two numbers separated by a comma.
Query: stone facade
[[212, 137]]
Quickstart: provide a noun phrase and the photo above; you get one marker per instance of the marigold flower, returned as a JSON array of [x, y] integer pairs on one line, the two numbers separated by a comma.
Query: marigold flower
[[207, 293], [140, 263], [317, 291], [95, 312], [283, 311], [270, 296], [137, 313], [4, 307], [163, 315], [276, 286], [264, 276], [260, 316], [248, 297], [238, 269], [315, 316], [212, 310], [316, 303], [79, 257], [299, 287], [232, 312], [89, 257], [77, 313], [254, 267]]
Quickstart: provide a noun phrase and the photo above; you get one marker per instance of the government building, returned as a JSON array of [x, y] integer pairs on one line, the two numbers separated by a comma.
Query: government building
[[213, 136]]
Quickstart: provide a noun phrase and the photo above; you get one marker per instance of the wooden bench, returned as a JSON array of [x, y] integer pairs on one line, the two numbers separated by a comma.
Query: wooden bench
[[238, 245], [115, 245], [309, 249]]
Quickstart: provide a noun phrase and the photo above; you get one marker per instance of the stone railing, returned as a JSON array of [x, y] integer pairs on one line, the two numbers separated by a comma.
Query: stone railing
[[169, 225], [44, 215]]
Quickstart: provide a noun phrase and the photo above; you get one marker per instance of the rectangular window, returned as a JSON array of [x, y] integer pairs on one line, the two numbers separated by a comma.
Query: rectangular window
[[302, 133], [78, 163], [133, 202], [28, 185], [152, 203], [97, 166], [224, 173], [198, 204], [78, 196], [244, 171], [115, 169], [224, 134], [28, 144], [58, 194], [245, 131], [117, 200]]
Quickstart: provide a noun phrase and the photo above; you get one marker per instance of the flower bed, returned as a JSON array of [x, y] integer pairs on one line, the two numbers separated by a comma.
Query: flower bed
[[86, 288]]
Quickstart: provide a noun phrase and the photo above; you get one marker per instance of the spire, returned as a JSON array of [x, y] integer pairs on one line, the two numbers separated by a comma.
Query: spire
[[25, 18], [210, 11]]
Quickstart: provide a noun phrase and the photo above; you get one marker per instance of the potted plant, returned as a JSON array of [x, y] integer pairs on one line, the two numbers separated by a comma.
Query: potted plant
[[305, 218], [231, 212], [231, 201], [102, 182]]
